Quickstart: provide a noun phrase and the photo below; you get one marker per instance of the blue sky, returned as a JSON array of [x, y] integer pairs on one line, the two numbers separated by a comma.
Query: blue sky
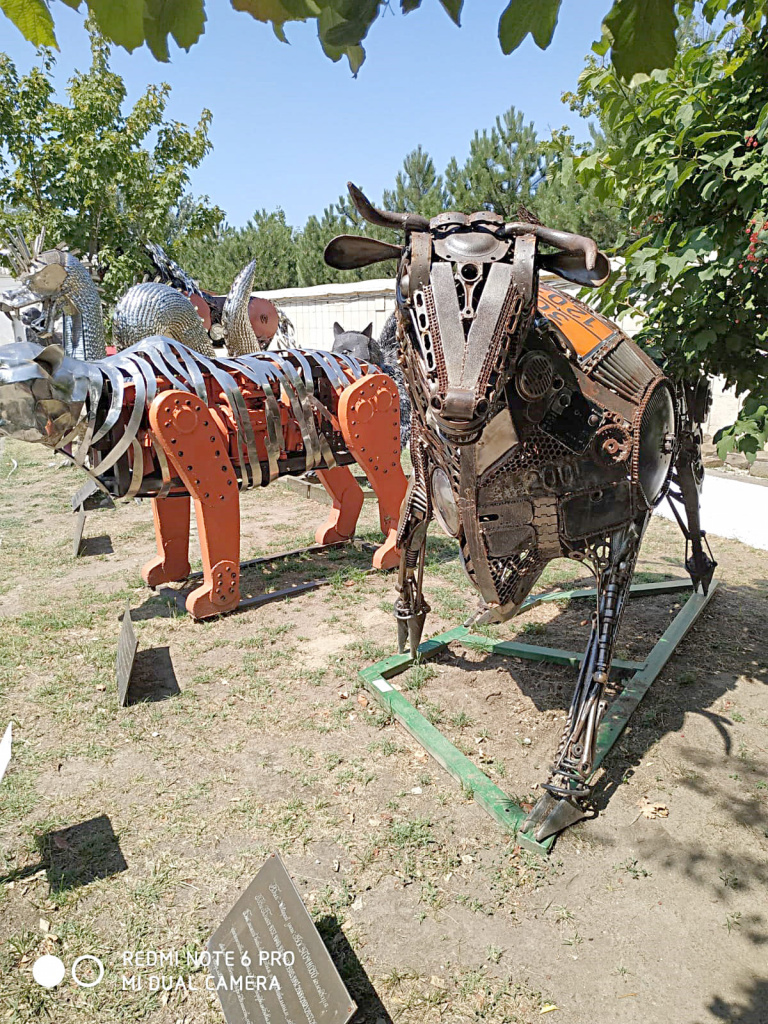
[[290, 127]]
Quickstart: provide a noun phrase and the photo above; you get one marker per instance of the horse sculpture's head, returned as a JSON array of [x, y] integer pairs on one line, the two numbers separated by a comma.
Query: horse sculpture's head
[[41, 392], [466, 289]]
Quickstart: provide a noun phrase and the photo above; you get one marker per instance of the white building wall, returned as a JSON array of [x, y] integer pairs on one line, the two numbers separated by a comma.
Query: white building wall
[[313, 311]]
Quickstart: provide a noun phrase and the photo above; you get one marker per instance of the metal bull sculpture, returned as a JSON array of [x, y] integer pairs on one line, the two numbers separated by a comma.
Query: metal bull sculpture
[[539, 431], [162, 421]]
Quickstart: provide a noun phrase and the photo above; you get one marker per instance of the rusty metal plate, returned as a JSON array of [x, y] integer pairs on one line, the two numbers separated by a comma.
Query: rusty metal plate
[[268, 962], [77, 535], [127, 646], [90, 496]]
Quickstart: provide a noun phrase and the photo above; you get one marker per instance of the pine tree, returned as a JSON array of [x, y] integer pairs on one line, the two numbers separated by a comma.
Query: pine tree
[[418, 187]]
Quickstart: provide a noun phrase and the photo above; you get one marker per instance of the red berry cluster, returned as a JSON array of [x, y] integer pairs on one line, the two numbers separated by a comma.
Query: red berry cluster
[[757, 252], [752, 142]]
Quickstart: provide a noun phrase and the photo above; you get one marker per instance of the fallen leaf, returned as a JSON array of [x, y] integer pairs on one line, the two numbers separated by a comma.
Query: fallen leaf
[[45, 926], [343, 695], [548, 1008], [349, 583], [648, 809], [362, 699], [60, 842]]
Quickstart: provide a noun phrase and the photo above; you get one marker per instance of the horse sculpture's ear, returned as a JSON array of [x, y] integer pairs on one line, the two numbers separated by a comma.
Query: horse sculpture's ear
[[368, 332], [573, 267], [348, 252], [50, 358], [337, 329]]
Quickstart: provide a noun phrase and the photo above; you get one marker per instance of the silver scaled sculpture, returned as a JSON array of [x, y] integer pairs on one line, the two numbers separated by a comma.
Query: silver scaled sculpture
[[60, 282]]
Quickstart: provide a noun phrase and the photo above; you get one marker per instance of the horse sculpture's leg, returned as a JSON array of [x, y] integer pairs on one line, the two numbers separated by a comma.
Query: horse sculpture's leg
[[568, 785], [198, 453], [171, 517], [369, 417], [347, 503]]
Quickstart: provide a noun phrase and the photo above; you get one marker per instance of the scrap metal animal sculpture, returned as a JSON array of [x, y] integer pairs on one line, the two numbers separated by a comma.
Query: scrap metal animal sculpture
[[382, 353], [162, 421], [63, 284], [264, 318], [57, 280], [539, 431]]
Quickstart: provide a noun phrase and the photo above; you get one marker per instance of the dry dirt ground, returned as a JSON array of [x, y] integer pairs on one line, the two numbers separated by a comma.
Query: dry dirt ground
[[137, 828]]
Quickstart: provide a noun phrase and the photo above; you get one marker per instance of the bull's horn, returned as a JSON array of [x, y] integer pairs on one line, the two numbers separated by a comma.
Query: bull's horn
[[564, 240], [385, 218]]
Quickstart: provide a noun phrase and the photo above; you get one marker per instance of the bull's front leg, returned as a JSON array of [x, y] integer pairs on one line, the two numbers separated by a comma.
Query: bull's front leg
[[410, 607], [568, 787]]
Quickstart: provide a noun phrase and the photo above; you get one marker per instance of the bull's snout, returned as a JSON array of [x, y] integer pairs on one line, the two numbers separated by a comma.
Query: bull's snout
[[459, 415]]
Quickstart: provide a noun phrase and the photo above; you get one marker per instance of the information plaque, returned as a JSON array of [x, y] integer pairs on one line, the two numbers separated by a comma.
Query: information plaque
[[126, 654], [268, 962]]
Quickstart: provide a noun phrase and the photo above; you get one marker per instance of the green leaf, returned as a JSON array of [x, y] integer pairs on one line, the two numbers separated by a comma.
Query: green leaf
[[183, 19], [762, 123], [642, 35], [121, 21], [724, 445], [278, 11], [686, 172], [33, 19], [633, 248], [538, 17], [453, 9], [406, 6], [685, 114], [699, 140], [702, 339], [602, 45]]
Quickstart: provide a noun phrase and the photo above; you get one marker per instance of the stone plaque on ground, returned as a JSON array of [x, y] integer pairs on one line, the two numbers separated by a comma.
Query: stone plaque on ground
[[126, 653], [268, 962]]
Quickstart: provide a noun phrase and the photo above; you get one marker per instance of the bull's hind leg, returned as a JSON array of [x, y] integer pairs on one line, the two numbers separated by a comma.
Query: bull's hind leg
[[687, 481], [568, 786], [197, 451], [369, 416], [171, 517]]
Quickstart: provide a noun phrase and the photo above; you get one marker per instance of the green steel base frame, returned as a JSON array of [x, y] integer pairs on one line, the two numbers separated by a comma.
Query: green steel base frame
[[492, 799]]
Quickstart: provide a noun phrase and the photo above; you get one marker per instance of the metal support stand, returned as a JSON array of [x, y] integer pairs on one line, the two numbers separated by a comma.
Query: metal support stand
[[492, 799], [180, 596]]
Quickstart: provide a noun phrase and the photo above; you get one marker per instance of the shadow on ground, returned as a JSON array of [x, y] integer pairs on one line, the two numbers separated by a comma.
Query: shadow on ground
[[370, 1009]]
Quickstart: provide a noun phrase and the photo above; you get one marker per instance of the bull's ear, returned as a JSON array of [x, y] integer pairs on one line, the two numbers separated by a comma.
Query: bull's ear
[[573, 267], [348, 252], [50, 358]]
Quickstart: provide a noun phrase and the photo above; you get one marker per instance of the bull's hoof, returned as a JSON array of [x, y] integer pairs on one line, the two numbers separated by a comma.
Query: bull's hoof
[[551, 815]]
